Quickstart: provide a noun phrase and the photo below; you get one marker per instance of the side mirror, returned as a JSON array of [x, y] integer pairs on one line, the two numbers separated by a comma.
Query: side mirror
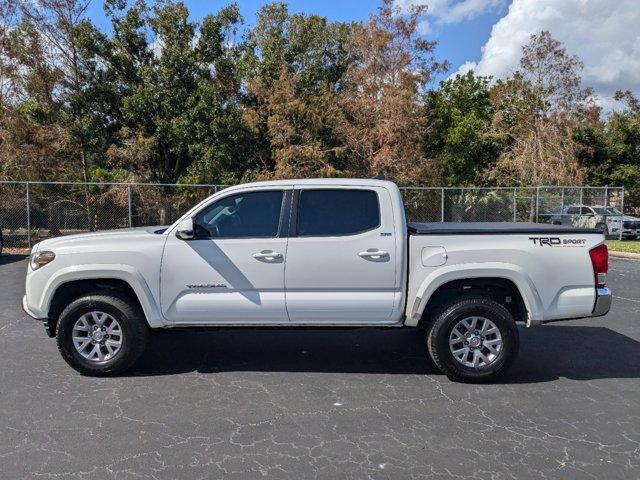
[[186, 229]]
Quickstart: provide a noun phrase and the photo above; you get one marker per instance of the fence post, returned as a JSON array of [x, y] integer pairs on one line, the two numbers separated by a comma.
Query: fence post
[[581, 196], [129, 204], [515, 205], [28, 217], [622, 217], [442, 204]]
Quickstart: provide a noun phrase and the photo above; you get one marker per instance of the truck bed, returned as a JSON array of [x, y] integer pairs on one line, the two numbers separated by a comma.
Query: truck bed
[[492, 228]]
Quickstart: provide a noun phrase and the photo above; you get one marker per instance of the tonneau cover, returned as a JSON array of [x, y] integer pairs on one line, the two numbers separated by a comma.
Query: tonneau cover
[[488, 228]]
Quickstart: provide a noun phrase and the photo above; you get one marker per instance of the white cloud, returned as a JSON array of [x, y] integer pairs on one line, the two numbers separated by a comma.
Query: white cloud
[[603, 33], [451, 11]]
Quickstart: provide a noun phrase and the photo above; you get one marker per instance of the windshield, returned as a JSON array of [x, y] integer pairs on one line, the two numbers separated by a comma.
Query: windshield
[[607, 211]]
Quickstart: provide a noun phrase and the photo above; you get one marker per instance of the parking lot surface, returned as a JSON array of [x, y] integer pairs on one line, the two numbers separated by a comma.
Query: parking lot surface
[[325, 404]]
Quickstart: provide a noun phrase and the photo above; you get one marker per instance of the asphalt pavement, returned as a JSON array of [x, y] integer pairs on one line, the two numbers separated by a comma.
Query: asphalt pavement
[[324, 404]]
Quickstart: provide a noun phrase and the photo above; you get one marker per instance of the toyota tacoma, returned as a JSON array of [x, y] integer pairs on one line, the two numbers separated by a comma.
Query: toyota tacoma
[[321, 253]]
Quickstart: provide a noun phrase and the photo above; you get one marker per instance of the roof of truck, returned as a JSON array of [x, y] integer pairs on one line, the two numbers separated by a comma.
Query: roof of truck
[[357, 182]]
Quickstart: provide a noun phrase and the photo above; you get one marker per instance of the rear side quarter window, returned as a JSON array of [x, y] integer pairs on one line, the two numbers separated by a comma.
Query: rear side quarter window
[[337, 212]]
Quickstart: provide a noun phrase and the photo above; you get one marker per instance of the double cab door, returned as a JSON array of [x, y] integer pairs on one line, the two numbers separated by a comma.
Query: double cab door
[[285, 255]]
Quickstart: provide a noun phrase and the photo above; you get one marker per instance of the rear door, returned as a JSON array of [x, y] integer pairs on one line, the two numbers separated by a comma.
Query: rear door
[[572, 217], [341, 256]]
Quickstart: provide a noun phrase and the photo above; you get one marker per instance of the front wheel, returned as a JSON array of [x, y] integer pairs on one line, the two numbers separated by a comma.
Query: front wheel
[[101, 333], [473, 340]]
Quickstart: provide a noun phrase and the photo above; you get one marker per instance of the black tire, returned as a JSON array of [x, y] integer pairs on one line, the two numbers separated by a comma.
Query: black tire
[[603, 228], [444, 321], [135, 332]]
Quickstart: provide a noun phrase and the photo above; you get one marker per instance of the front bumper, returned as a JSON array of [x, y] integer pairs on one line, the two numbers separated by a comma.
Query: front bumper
[[25, 307], [603, 302], [49, 325]]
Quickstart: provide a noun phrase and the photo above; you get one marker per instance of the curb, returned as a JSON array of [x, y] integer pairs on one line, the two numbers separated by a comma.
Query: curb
[[635, 256]]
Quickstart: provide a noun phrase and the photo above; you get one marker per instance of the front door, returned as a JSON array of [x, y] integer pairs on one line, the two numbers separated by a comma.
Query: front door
[[233, 272], [341, 257]]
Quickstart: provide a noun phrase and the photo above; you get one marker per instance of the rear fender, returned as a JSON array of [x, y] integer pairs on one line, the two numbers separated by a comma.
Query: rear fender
[[446, 274]]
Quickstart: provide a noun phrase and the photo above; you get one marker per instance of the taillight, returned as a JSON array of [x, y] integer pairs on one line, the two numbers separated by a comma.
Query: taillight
[[600, 261]]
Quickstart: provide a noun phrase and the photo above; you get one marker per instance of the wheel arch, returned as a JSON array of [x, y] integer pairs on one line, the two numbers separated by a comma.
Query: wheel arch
[[483, 279], [67, 285], [500, 290]]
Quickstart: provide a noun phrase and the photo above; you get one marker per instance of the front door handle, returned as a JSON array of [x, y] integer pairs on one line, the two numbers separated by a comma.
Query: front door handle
[[267, 255], [373, 253]]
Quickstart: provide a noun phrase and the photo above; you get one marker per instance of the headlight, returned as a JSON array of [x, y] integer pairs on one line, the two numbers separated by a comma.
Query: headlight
[[40, 259]]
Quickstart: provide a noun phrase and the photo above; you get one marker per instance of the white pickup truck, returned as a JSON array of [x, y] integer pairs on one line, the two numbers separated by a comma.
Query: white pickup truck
[[321, 253]]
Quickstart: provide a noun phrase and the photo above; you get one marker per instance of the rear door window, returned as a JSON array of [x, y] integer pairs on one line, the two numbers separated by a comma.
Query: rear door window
[[333, 212]]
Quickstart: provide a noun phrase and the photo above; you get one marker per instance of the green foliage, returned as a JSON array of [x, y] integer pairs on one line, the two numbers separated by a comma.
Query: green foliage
[[611, 149], [159, 97], [460, 134]]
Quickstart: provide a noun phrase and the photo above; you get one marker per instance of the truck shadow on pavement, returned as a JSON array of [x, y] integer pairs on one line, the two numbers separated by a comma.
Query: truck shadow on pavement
[[546, 354], [6, 259]]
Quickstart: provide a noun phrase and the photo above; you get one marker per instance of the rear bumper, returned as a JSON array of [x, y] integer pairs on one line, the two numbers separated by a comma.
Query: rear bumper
[[601, 307], [603, 302]]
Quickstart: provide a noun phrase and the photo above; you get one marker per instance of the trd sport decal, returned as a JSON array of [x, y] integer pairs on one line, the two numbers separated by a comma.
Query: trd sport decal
[[558, 242]]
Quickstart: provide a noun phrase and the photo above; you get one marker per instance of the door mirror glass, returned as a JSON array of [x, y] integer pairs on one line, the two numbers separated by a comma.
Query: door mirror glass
[[185, 230]]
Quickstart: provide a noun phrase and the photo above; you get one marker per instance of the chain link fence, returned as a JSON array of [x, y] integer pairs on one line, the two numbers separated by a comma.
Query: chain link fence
[[33, 211]]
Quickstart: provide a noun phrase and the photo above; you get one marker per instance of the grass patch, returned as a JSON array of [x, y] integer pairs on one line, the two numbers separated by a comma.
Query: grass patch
[[630, 246]]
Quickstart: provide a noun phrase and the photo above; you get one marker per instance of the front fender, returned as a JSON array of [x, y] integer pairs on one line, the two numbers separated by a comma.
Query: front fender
[[463, 271], [126, 273]]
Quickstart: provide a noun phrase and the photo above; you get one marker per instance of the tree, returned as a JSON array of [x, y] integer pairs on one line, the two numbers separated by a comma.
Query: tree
[[622, 134], [33, 142], [382, 123], [296, 64], [459, 133], [536, 111], [175, 96], [8, 67]]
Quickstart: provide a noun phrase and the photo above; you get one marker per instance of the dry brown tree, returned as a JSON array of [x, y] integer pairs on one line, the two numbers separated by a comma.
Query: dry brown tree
[[536, 111], [382, 127]]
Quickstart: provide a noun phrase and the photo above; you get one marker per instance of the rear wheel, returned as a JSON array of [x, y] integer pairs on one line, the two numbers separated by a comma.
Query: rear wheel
[[101, 334], [473, 339]]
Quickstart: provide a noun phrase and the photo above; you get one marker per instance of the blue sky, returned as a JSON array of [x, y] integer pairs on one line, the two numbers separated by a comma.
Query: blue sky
[[458, 42], [487, 35]]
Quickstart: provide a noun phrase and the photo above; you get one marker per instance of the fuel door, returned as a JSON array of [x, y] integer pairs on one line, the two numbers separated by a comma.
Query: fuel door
[[434, 256]]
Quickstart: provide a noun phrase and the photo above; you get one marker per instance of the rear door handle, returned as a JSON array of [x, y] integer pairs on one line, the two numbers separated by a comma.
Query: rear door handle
[[267, 255], [373, 253]]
